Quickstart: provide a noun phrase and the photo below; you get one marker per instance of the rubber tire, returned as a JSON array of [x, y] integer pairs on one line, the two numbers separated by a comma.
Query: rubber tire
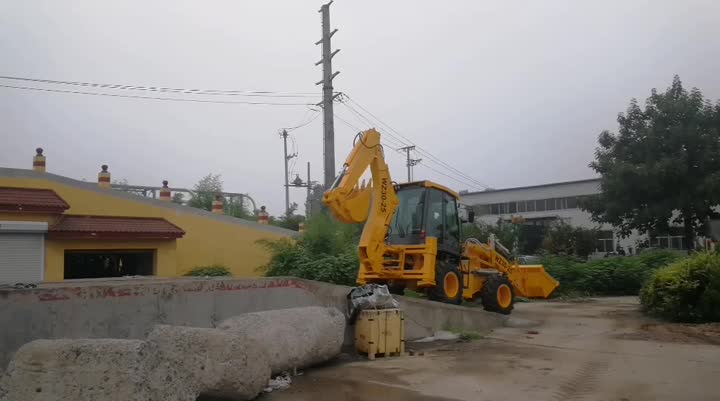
[[397, 289], [437, 293], [488, 294]]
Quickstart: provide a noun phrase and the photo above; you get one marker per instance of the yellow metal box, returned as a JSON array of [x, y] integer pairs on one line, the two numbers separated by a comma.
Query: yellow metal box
[[380, 332]]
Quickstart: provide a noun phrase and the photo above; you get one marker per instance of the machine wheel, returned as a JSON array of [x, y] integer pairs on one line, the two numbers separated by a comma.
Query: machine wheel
[[497, 294], [448, 284], [397, 288]]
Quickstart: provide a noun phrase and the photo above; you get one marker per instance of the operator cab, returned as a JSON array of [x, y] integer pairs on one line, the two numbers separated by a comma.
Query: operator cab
[[426, 209]]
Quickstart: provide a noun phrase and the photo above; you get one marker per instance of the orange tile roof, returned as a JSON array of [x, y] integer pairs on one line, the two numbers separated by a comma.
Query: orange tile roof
[[31, 200], [112, 227]]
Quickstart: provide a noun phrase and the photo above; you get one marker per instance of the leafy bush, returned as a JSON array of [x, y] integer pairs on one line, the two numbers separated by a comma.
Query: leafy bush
[[211, 270], [685, 291], [564, 239], [327, 251], [610, 276]]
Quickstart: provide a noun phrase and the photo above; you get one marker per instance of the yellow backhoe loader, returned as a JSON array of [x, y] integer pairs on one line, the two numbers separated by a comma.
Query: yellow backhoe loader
[[411, 237]]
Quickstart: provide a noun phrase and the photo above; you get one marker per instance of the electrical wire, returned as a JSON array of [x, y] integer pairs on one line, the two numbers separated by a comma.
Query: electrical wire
[[168, 90], [420, 150], [450, 177], [302, 124], [154, 97], [394, 143]]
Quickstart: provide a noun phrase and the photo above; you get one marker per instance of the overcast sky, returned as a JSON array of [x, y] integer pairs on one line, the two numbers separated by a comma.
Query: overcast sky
[[510, 93]]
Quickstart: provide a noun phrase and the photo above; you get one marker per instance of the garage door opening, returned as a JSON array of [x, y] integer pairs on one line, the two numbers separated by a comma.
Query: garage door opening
[[99, 264]]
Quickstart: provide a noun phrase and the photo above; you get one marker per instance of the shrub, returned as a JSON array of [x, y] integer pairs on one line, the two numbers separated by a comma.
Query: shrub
[[564, 239], [211, 270], [685, 291], [611, 276], [327, 251]]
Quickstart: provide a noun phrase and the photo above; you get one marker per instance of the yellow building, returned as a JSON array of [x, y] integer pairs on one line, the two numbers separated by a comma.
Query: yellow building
[[54, 228]]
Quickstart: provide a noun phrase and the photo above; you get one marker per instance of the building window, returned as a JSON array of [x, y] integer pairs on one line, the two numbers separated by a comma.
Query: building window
[[549, 204], [604, 242], [530, 206], [540, 205], [669, 242], [521, 207], [512, 207], [494, 208], [482, 209], [571, 202]]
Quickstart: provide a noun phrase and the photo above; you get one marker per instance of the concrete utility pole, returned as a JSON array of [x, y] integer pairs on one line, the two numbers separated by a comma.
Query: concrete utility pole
[[309, 188], [328, 97], [410, 162], [284, 135]]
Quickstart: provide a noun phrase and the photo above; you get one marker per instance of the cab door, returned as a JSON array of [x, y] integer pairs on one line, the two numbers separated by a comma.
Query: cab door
[[451, 225], [442, 221]]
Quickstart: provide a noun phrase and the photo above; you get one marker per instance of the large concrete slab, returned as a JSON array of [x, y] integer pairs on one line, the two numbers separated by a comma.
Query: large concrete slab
[[130, 308]]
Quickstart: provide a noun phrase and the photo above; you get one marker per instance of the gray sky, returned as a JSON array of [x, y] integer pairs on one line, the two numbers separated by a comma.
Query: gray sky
[[511, 93]]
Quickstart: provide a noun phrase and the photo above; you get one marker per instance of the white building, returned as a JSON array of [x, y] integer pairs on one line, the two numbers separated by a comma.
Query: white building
[[549, 203]]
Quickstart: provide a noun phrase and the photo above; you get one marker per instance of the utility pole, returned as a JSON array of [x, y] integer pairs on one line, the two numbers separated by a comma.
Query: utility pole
[[284, 135], [328, 97], [410, 162], [309, 188]]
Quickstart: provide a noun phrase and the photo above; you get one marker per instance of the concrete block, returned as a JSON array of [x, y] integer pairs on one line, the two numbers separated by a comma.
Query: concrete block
[[293, 338], [88, 370], [209, 362]]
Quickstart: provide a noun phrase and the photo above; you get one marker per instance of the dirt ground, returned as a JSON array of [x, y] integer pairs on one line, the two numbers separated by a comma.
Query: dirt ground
[[601, 349]]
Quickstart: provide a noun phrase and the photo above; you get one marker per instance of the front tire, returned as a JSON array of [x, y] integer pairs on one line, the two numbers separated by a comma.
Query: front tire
[[448, 284], [497, 294]]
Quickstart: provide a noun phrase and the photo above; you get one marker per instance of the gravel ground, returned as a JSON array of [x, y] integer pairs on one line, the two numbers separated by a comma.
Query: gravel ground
[[598, 349]]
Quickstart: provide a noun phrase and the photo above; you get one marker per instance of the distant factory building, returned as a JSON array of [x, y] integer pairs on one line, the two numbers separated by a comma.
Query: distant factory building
[[543, 205]]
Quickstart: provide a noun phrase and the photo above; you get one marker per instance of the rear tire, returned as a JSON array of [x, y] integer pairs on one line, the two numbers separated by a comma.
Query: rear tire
[[396, 289], [497, 294], [448, 284]]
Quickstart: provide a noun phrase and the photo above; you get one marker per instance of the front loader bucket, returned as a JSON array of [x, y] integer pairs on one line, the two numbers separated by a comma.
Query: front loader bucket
[[532, 281]]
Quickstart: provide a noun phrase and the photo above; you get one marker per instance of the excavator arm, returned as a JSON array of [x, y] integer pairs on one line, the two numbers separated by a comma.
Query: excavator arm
[[351, 201]]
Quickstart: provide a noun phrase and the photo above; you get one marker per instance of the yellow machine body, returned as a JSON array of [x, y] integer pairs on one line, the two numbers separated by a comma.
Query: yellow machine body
[[417, 265]]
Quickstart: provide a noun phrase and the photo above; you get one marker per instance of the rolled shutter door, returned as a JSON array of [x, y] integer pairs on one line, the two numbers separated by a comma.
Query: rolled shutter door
[[21, 257]]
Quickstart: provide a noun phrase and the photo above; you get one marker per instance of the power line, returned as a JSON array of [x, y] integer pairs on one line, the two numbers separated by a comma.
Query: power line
[[165, 89], [385, 143], [394, 141], [364, 120], [154, 97], [420, 150], [302, 124], [450, 177]]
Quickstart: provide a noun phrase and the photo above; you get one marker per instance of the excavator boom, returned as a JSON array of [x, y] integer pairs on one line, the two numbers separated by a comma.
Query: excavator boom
[[350, 200]]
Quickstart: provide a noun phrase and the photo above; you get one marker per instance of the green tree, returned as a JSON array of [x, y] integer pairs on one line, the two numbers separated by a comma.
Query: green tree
[[564, 239], [205, 190], [289, 220], [204, 193], [178, 198], [663, 165], [237, 207]]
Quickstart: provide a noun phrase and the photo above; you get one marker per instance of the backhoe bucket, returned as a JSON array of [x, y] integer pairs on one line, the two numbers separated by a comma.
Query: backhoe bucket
[[532, 281]]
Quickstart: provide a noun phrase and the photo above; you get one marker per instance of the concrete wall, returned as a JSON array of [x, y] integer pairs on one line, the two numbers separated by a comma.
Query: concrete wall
[[209, 239], [129, 308]]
